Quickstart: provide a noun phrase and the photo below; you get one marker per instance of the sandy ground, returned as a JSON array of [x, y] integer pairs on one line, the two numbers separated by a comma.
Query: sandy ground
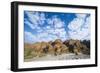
[[48, 57]]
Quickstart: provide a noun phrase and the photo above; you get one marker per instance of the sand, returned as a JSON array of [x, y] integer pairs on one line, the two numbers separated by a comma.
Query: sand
[[49, 57]]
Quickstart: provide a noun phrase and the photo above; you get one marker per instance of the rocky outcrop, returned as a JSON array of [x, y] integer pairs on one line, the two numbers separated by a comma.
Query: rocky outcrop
[[57, 47], [76, 46]]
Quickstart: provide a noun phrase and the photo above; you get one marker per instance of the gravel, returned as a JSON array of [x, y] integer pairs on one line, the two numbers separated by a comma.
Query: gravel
[[69, 56]]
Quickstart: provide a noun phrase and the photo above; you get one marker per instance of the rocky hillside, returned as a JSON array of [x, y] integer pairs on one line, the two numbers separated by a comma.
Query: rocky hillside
[[57, 47]]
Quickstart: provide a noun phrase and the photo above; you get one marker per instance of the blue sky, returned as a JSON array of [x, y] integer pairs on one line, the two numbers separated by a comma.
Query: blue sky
[[48, 26]]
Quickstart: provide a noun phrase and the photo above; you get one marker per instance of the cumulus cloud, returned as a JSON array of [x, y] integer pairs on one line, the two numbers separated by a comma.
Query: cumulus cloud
[[34, 19], [54, 28], [80, 27], [76, 24], [44, 36], [42, 19], [49, 29], [81, 16], [30, 24], [55, 22], [29, 37]]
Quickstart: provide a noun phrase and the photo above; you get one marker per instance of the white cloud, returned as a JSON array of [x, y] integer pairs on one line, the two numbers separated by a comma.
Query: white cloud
[[81, 16], [29, 37], [44, 36], [59, 33], [35, 18], [30, 24], [53, 30], [55, 22], [48, 27], [50, 21], [56, 28], [75, 24], [42, 19], [80, 27]]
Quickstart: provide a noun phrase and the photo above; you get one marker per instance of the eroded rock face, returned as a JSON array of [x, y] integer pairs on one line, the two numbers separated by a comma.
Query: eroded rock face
[[57, 47], [60, 47], [75, 46], [37, 49], [43, 48], [64, 48], [58, 41]]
